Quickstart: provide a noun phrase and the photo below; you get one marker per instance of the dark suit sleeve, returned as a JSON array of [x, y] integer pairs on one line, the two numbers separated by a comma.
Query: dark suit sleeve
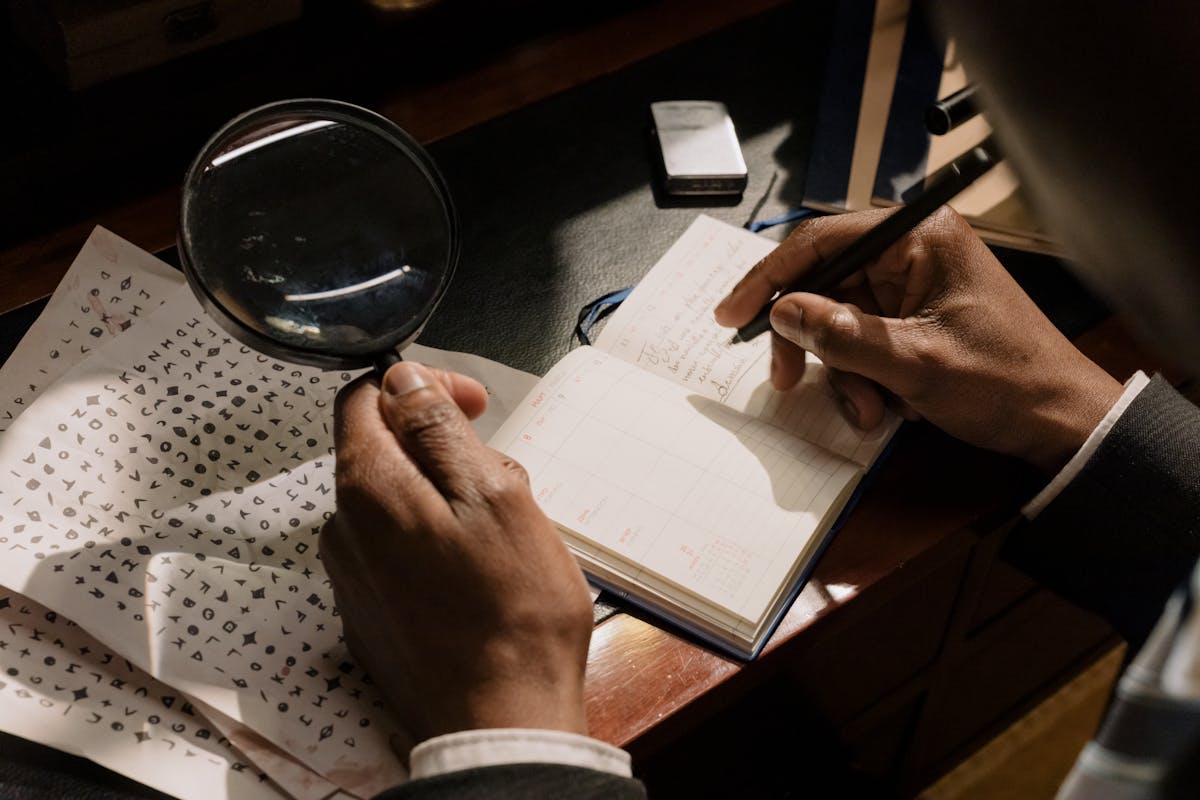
[[1122, 535], [520, 781]]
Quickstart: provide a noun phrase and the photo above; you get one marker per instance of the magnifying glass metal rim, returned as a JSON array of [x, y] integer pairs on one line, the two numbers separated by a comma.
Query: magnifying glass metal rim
[[348, 112]]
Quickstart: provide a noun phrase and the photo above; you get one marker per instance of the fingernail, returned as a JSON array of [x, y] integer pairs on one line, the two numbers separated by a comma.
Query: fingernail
[[850, 410], [404, 378], [785, 319], [720, 306]]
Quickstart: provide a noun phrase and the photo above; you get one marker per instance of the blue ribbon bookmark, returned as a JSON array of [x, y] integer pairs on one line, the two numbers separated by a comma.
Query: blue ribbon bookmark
[[597, 310], [791, 216]]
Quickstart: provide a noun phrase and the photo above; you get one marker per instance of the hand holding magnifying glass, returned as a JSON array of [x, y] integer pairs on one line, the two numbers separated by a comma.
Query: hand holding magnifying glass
[[320, 233]]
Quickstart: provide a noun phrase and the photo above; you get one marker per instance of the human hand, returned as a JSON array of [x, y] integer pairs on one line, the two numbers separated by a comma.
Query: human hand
[[455, 590], [936, 327]]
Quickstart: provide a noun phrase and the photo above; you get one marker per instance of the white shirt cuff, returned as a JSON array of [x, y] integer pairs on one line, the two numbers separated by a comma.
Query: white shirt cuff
[[495, 746], [1133, 387]]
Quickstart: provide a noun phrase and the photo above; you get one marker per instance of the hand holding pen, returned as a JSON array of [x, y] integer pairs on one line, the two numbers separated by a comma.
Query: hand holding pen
[[932, 326], [939, 189]]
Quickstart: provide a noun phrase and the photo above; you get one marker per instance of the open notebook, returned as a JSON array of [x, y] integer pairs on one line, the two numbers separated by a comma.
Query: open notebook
[[679, 478]]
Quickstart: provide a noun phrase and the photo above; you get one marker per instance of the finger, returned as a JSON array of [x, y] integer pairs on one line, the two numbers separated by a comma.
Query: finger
[[352, 400], [787, 363], [467, 393], [342, 554], [859, 399], [905, 410], [433, 431], [845, 338], [330, 544], [355, 644], [370, 460], [812, 242], [510, 465]]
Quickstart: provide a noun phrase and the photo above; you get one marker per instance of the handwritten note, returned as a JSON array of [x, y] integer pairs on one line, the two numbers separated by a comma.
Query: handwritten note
[[666, 327]]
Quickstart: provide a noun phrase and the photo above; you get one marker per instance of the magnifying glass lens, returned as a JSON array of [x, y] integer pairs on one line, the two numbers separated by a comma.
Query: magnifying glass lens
[[317, 232]]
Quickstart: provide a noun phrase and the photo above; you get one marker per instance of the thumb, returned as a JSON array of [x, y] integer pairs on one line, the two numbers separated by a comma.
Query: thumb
[[844, 337], [431, 429]]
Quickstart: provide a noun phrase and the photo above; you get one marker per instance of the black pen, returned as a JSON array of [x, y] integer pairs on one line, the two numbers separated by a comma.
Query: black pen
[[941, 187]]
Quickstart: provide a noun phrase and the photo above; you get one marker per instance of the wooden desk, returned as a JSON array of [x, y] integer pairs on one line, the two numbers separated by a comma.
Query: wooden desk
[[911, 645]]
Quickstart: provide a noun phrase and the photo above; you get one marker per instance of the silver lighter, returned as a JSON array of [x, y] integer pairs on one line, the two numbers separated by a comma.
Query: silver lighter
[[699, 148]]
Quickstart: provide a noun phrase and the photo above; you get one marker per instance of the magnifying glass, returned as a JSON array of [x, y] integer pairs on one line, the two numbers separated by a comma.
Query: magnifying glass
[[318, 232]]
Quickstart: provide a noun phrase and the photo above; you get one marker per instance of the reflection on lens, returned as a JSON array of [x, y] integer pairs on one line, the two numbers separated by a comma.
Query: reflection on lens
[[295, 328], [346, 291]]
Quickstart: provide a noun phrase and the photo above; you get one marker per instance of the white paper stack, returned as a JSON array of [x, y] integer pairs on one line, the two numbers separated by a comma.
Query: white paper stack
[[163, 610]]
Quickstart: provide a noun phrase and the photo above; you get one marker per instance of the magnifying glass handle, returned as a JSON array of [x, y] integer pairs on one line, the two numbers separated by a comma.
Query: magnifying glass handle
[[384, 361]]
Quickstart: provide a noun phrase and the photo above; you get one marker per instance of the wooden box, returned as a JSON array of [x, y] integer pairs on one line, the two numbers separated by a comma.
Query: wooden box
[[86, 42]]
